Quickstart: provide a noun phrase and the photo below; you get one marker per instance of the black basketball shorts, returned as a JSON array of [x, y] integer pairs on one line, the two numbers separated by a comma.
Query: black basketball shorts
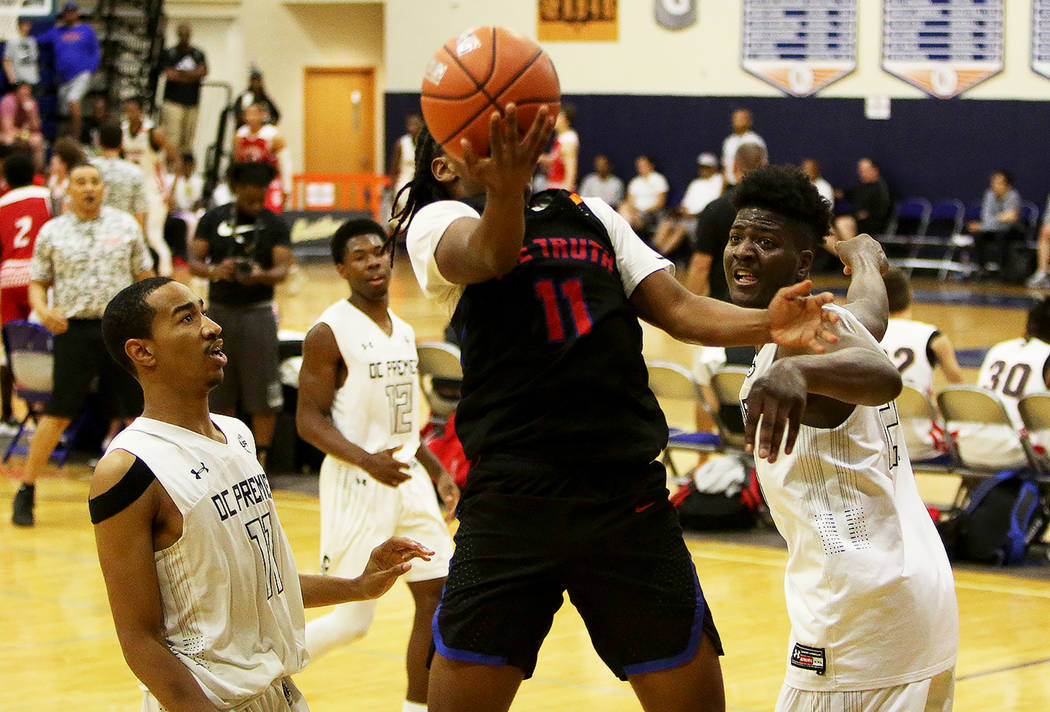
[[622, 561]]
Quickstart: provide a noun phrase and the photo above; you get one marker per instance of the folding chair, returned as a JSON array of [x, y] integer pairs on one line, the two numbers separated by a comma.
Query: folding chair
[[29, 354], [907, 224], [726, 383], [938, 247], [1035, 414], [669, 381], [985, 438], [918, 415], [441, 376]]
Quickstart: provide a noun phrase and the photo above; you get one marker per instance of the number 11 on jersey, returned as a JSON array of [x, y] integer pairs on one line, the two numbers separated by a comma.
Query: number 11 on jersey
[[571, 292]]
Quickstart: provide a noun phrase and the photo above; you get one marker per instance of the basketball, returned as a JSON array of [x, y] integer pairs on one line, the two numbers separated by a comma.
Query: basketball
[[483, 69]]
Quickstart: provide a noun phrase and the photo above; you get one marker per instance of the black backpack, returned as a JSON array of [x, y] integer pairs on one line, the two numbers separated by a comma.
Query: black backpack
[[1005, 514]]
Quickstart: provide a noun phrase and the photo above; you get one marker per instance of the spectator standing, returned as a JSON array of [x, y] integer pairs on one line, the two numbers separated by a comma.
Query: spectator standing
[[66, 153], [1000, 220], [742, 133], [602, 183], [811, 168], [244, 250], [23, 211], [123, 179], [184, 69], [563, 160], [21, 57], [97, 117], [646, 198], [255, 94], [184, 210], [702, 190], [870, 200], [76, 59], [107, 245], [20, 122]]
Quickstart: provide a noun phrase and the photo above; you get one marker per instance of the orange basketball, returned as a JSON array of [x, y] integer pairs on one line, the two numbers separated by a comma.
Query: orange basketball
[[482, 70]]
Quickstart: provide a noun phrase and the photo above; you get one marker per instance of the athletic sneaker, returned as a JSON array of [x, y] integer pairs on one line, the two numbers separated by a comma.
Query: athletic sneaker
[[22, 514], [1039, 280]]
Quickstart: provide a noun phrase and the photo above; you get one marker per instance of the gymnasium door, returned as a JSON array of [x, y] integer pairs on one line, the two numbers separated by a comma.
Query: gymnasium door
[[339, 120]]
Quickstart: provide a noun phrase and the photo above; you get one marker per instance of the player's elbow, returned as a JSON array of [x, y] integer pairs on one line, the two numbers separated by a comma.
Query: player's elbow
[[885, 383]]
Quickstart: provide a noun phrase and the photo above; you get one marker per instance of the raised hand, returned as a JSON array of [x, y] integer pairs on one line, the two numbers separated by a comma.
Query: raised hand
[[512, 159], [798, 321], [387, 562], [387, 469], [862, 249]]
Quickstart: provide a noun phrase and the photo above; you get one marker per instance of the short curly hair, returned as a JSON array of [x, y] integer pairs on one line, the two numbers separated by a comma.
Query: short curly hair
[[787, 191]]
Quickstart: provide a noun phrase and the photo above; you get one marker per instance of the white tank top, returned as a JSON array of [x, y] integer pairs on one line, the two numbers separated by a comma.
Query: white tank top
[[233, 609], [406, 169], [1011, 369], [139, 150], [907, 344], [375, 408], [869, 591]]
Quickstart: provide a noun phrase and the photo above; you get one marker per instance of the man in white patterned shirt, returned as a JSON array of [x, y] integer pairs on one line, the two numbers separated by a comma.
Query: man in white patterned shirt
[[85, 257], [123, 179]]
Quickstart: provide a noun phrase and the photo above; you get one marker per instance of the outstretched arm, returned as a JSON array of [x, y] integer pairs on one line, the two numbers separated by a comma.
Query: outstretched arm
[[472, 250]]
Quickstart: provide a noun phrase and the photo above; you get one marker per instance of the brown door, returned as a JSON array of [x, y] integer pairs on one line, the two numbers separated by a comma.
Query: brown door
[[339, 120]]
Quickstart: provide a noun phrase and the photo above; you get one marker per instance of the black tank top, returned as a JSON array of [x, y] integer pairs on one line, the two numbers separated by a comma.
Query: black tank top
[[552, 361]]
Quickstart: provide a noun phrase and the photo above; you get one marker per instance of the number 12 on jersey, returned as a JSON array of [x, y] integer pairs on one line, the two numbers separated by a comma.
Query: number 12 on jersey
[[571, 293]]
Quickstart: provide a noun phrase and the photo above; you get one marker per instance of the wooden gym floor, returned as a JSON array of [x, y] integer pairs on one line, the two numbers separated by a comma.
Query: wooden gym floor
[[59, 650]]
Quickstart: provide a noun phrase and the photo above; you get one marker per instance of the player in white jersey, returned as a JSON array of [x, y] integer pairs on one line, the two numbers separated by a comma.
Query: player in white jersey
[[916, 348], [1011, 369], [145, 145], [203, 588], [868, 587], [357, 403]]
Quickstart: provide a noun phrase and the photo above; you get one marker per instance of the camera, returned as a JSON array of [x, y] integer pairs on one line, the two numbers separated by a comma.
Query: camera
[[242, 267]]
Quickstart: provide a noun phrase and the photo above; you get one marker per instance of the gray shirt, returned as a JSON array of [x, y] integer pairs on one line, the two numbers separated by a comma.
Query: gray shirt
[[991, 206], [23, 54], [88, 261], [123, 181], [609, 189]]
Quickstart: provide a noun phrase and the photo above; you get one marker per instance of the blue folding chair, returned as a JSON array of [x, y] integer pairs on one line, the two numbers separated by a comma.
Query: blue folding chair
[[29, 349]]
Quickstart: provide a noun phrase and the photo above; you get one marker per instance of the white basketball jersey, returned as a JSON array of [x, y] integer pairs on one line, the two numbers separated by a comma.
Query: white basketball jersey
[[138, 149], [406, 169], [233, 609], [1011, 369], [375, 408], [869, 591], [907, 344]]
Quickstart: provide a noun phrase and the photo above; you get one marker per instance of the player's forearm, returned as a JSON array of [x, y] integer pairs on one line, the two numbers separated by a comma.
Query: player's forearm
[[430, 463], [496, 241], [318, 429], [867, 297], [330, 590], [38, 296], [855, 375], [712, 322], [165, 676]]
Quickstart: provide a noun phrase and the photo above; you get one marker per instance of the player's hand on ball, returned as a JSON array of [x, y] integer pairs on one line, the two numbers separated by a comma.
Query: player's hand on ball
[[387, 562], [862, 249], [778, 399], [449, 493], [798, 320], [511, 160], [384, 467]]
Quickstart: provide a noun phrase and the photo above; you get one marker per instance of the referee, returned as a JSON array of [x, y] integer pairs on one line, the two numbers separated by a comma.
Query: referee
[[85, 257]]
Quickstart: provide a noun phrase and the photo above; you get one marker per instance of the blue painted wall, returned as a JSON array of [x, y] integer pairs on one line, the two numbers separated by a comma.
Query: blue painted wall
[[932, 148]]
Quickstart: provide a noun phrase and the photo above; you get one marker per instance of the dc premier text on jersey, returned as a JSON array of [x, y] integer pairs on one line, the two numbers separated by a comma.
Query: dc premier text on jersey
[[249, 491]]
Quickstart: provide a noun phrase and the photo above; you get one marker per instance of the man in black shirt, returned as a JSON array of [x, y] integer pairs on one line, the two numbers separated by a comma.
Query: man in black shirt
[[712, 228], [871, 203], [184, 68], [245, 250]]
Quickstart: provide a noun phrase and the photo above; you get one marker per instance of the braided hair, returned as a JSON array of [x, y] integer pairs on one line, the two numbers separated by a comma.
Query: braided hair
[[424, 187]]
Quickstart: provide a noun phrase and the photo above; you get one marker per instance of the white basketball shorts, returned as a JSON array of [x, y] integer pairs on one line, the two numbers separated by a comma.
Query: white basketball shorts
[[934, 694]]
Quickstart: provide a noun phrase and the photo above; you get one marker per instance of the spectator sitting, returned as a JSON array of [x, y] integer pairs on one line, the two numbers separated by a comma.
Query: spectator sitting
[[602, 183], [742, 133], [871, 203], [1041, 278], [646, 198], [21, 57], [1000, 220], [97, 116], [255, 94], [20, 122], [65, 154], [916, 349], [701, 191], [76, 59], [811, 168]]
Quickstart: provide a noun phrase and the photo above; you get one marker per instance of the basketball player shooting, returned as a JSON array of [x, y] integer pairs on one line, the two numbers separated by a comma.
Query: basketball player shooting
[[870, 595], [202, 585]]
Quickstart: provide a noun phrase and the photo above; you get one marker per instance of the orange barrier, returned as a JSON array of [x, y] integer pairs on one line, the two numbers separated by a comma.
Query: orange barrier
[[338, 191]]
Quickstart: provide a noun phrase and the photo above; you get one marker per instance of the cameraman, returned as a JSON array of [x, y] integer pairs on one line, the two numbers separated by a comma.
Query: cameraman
[[243, 250]]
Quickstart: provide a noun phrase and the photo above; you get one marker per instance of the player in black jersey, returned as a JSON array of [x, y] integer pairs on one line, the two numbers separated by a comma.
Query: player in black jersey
[[565, 493]]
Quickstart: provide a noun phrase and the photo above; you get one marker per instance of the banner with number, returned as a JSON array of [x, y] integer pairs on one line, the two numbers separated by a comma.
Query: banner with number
[[944, 47], [1041, 37], [578, 21], [799, 46]]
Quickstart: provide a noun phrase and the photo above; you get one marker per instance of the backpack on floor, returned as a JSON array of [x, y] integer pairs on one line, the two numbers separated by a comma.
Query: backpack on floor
[[738, 505], [1005, 514]]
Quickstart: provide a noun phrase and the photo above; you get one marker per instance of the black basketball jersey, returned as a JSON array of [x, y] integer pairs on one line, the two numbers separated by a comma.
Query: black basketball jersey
[[552, 362]]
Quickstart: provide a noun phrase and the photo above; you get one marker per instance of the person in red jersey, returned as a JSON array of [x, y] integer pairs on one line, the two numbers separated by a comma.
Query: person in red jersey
[[260, 142]]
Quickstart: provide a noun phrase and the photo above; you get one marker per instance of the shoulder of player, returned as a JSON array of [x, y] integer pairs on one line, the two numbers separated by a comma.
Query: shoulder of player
[[110, 470], [438, 216], [26, 192], [320, 341]]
